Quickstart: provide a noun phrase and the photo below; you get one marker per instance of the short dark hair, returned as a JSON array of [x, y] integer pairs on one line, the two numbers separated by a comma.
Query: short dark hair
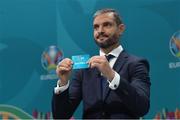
[[117, 17]]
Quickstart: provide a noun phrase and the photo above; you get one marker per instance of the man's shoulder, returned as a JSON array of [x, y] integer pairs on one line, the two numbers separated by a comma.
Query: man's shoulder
[[134, 58]]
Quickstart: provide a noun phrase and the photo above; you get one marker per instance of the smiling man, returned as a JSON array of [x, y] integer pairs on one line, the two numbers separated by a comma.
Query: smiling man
[[115, 86]]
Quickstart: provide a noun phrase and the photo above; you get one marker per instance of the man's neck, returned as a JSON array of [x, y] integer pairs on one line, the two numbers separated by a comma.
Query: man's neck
[[109, 49]]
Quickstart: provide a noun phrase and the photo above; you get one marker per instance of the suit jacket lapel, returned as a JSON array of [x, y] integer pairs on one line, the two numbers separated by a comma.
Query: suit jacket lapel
[[117, 67], [120, 61]]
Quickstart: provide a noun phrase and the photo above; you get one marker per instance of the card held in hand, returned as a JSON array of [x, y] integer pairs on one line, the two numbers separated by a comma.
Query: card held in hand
[[80, 61]]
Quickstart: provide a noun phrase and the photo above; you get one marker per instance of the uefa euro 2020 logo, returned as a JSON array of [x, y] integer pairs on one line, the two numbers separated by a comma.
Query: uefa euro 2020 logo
[[50, 58], [174, 44]]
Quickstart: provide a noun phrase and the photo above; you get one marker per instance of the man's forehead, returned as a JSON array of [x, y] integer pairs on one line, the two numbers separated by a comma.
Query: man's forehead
[[104, 17], [109, 14]]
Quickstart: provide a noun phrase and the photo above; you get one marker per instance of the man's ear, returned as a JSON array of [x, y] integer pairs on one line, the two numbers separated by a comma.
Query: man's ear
[[121, 29]]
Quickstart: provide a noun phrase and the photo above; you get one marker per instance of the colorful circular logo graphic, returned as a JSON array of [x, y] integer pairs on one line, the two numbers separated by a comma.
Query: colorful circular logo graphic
[[50, 58], [174, 44]]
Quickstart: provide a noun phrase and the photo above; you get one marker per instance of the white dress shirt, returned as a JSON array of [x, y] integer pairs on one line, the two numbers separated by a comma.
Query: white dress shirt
[[113, 84]]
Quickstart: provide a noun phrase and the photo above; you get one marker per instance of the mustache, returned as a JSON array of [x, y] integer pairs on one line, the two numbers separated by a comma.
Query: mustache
[[102, 35]]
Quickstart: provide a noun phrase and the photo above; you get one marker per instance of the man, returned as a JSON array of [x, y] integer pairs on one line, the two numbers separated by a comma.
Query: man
[[110, 88]]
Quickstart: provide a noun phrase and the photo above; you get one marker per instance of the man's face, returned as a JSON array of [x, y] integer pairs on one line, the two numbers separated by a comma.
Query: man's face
[[106, 30]]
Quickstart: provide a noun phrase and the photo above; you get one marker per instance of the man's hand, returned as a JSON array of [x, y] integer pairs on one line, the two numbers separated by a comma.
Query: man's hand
[[63, 70], [102, 64]]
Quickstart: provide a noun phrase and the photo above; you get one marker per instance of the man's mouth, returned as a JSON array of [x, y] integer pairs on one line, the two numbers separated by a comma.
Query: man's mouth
[[102, 37]]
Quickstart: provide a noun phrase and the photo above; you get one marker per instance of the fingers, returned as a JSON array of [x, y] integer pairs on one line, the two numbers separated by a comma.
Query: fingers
[[93, 65], [97, 61], [65, 62], [65, 65]]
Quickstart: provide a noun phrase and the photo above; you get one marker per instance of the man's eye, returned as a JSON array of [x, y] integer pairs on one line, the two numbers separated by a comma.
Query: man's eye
[[107, 24], [95, 27]]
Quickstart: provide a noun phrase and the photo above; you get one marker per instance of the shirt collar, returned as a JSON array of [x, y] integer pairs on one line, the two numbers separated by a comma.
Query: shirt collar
[[116, 52]]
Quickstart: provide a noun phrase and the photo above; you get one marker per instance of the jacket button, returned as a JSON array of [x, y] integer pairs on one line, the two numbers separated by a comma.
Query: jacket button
[[103, 113]]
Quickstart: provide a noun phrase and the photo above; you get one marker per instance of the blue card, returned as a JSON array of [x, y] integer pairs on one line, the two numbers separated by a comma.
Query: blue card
[[80, 61]]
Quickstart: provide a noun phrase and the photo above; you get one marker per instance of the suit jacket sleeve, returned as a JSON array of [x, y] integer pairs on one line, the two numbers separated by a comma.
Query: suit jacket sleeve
[[135, 92], [65, 103]]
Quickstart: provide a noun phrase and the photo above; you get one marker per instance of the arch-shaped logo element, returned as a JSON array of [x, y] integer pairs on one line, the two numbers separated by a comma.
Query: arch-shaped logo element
[[12, 112]]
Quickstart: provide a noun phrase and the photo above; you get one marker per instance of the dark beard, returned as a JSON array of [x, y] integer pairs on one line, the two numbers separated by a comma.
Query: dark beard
[[108, 43]]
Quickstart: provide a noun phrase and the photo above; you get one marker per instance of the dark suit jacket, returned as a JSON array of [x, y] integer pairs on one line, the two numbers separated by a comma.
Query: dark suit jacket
[[130, 100]]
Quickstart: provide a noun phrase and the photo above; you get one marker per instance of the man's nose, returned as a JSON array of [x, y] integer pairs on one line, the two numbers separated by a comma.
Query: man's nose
[[101, 29]]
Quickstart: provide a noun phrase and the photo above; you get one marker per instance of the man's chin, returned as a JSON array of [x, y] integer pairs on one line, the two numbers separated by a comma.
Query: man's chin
[[102, 44]]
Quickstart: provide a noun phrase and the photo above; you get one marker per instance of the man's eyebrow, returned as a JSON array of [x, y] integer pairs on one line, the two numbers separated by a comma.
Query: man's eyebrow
[[95, 24]]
